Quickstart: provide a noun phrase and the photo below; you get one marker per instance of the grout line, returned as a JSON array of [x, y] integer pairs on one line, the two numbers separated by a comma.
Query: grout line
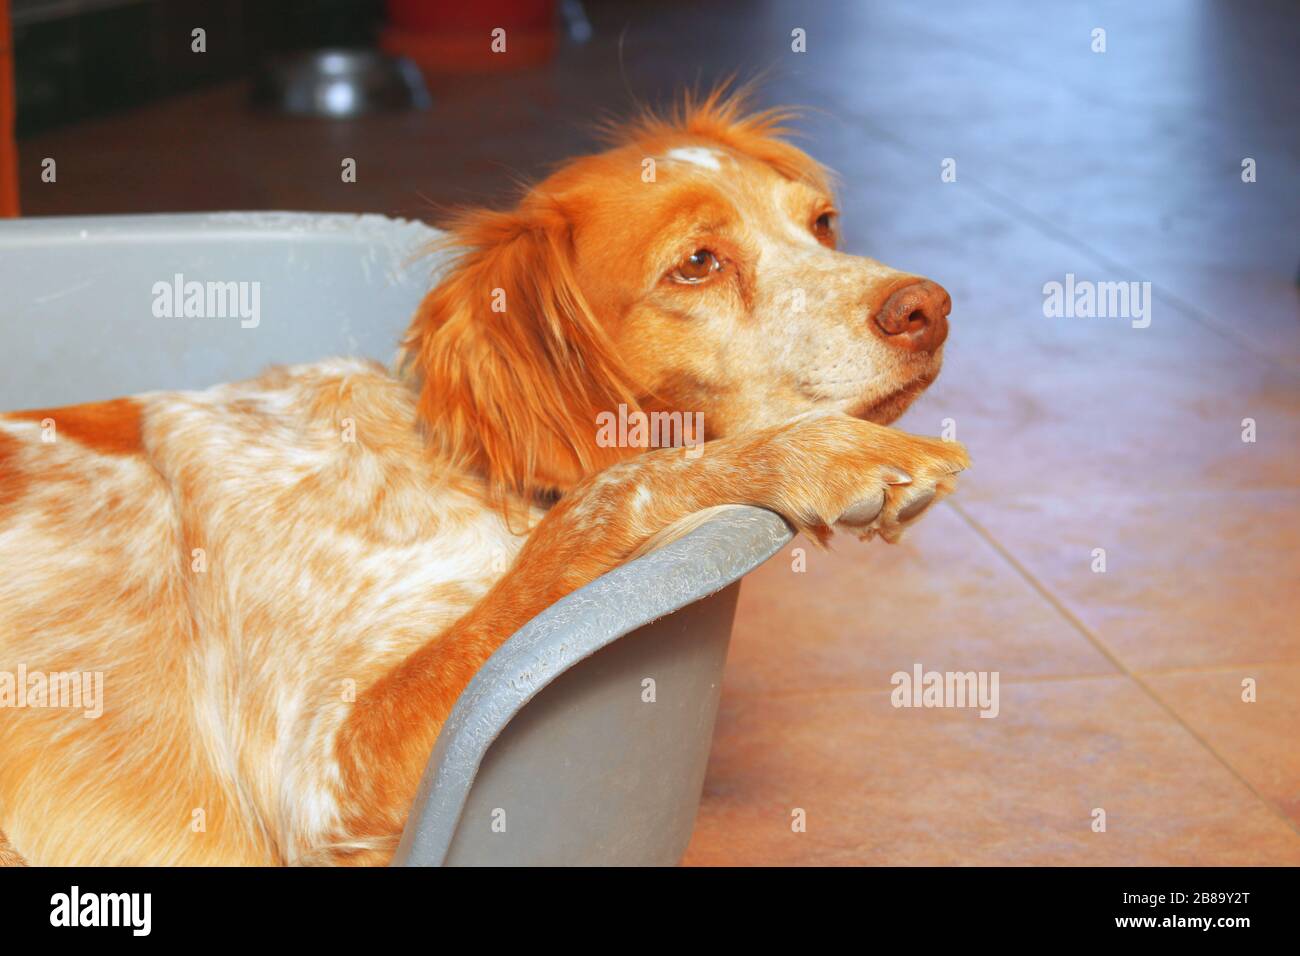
[[856, 689], [1214, 668], [1101, 647], [1026, 681]]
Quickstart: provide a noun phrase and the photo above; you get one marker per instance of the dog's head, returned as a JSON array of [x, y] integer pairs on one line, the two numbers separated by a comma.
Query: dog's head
[[693, 267]]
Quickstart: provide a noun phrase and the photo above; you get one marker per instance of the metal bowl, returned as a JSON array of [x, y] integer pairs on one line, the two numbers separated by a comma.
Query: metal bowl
[[339, 83]]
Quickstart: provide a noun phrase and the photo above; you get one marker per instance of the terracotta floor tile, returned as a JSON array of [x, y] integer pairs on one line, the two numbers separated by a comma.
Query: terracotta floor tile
[[890, 786], [1068, 405], [1079, 428], [1191, 580], [1260, 740], [859, 613], [1100, 420], [1171, 211]]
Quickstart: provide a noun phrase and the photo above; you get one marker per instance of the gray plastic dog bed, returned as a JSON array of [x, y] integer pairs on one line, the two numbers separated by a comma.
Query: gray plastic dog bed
[[555, 753]]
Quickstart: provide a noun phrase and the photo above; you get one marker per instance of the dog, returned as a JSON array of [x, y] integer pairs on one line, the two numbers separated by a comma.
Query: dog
[[286, 582]]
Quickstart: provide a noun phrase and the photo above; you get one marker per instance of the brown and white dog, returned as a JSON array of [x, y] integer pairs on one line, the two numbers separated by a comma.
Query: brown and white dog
[[229, 562]]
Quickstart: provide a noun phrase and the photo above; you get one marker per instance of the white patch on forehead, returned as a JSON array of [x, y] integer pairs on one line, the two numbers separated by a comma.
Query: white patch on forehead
[[696, 156]]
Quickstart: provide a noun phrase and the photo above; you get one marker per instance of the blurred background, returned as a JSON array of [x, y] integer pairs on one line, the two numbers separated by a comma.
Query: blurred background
[[1119, 156]]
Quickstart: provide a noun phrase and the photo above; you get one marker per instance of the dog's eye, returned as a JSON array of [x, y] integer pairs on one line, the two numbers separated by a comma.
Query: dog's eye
[[824, 228], [697, 267]]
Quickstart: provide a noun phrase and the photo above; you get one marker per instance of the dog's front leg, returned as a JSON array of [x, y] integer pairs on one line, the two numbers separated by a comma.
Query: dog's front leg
[[814, 471]]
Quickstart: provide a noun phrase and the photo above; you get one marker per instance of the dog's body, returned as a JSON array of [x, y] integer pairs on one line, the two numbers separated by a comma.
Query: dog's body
[[287, 582], [321, 565]]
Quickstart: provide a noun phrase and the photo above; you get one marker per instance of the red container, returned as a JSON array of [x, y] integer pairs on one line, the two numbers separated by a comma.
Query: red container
[[450, 37]]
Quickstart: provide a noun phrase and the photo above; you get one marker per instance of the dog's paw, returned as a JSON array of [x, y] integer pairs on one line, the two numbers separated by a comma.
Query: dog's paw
[[882, 480], [900, 499]]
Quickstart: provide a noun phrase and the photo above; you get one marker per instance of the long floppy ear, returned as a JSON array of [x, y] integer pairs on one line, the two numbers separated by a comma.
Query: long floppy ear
[[514, 367]]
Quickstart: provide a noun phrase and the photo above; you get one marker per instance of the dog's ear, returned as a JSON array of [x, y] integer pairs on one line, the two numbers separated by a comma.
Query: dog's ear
[[513, 366]]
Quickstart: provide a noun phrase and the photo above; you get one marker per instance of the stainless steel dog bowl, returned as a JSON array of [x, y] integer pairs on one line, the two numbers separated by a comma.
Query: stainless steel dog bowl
[[340, 84]]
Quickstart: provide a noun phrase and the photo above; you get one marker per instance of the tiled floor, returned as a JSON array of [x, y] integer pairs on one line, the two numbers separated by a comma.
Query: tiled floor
[[1122, 691]]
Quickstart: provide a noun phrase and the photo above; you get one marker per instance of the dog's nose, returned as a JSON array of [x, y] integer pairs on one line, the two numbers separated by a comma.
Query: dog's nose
[[915, 317]]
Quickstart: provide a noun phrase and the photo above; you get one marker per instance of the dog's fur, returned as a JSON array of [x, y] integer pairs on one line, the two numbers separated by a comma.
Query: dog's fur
[[284, 617]]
